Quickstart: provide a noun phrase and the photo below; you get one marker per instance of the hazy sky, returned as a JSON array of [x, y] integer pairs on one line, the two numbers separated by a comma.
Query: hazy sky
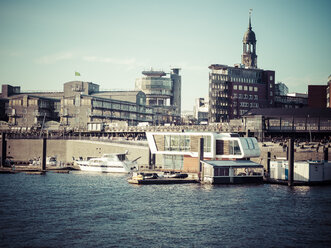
[[43, 43]]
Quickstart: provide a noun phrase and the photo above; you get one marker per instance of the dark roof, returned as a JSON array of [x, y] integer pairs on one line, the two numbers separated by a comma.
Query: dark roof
[[249, 36], [295, 112]]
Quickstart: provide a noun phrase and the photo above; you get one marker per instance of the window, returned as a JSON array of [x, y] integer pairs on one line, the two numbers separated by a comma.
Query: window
[[219, 172], [234, 95], [271, 77], [240, 87], [235, 87], [207, 143], [255, 89], [245, 88], [251, 88], [219, 147], [234, 148]]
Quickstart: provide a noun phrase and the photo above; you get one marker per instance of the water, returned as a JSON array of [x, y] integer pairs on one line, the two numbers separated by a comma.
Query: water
[[103, 210]]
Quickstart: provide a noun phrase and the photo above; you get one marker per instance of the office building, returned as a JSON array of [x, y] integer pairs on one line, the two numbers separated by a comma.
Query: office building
[[163, 93]]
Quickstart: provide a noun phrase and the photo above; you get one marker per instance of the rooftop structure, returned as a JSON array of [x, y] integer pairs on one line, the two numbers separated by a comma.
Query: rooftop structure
[[163, 93]]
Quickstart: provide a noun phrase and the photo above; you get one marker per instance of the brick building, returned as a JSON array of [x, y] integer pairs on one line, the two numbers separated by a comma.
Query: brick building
[[317, 96], [235, 90]]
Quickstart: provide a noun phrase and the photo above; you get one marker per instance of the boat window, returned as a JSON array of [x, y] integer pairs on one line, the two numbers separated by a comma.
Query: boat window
[[206, 143], [234, 148], [248, 144], [121, 157], [167, 143], [174, 162], [219, 172], [219, 147], [177, 143], [252, 143], [174, 143]]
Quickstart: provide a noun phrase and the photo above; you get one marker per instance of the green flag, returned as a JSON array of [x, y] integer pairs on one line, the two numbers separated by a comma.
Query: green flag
[[77, 73]]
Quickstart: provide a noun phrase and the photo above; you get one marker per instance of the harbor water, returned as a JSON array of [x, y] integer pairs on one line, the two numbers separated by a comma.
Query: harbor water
[[103, 210]]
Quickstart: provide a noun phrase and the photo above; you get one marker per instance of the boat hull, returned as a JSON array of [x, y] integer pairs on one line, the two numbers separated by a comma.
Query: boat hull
[[105, 169]]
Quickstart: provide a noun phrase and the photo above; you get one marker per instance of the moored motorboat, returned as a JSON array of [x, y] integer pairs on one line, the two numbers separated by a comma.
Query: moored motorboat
[[113, 162]]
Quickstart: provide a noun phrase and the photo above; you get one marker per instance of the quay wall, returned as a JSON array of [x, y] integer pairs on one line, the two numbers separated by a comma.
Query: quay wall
[[68, 150]]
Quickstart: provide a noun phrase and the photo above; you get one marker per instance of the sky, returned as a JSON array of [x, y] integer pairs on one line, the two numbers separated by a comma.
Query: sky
[[43, 42]]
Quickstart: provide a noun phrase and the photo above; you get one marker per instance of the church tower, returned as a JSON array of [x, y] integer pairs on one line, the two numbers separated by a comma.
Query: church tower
[[249, 57]]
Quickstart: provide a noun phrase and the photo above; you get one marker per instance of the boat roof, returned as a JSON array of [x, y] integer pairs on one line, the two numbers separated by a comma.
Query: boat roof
[[232, 163]]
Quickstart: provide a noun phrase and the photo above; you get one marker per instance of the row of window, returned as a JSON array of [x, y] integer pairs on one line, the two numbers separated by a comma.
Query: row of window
[[246, 104], [243, 80], [241, 111], [245, 96], [219, 77], [219, 86], [183, 143], [245, 88], [218, 94], [219, 111]]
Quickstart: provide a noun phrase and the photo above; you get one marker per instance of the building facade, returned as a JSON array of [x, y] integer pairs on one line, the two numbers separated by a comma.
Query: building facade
[[162, 93], [32, 111], [281, 89], [328, 93], [78, 106], [317, 96], [291, 100], [200, 110], [235, 90]]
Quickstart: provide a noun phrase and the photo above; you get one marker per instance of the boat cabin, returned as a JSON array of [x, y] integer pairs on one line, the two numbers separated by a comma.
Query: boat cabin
[[227, 172], [180, 150]]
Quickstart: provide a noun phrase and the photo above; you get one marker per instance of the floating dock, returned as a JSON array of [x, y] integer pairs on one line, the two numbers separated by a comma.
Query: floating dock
[[162, 181]]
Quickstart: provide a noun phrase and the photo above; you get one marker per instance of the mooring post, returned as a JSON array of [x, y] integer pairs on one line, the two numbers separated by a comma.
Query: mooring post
[[3, 149], [326, 154], [290, 162], [151, 160], [43, 157], [200, 157], [268, 164]]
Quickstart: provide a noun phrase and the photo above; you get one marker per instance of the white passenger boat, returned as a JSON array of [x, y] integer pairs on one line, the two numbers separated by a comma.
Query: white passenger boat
[[114, 162]]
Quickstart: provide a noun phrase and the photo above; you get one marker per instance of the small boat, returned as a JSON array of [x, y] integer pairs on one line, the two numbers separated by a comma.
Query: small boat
[[113, 162], [153, 178], [50, 161]]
